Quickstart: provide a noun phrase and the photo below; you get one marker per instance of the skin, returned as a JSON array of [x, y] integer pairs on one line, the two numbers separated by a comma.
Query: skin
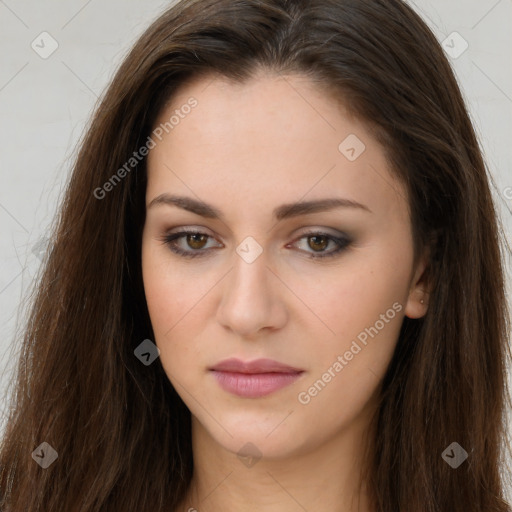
[[246, 149]]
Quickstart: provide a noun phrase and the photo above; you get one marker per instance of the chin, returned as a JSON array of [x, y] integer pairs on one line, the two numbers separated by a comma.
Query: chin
[[253, 436]]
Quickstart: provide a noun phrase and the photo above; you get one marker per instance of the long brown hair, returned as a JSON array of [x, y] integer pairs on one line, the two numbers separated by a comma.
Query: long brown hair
[[121, 432]]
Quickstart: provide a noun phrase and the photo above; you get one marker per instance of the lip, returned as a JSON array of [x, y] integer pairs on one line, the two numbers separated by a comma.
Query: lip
[[257, 366], [254, 379]]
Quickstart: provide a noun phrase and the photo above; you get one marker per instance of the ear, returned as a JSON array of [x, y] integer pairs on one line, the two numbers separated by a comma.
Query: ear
[[417, 301]]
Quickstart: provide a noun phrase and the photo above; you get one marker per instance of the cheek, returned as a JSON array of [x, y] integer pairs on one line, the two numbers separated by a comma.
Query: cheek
[[178, 303], [362, 303], [168, 291], [366, 312], [174, 336], [156, 288], [353, 295], [167, 300]]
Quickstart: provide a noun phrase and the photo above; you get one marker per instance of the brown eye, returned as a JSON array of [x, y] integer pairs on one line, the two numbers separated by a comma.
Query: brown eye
[[197, 240], [319, 242], [190, 244]]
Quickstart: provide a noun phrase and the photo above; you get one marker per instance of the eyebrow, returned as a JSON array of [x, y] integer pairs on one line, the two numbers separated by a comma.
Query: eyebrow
[[284, 211]]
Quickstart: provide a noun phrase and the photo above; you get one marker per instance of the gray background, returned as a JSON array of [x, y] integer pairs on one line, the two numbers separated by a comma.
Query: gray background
[[45, 104]]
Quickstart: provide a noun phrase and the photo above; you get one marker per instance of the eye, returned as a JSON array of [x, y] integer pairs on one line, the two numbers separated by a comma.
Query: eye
[[196, 240], [318, 241]]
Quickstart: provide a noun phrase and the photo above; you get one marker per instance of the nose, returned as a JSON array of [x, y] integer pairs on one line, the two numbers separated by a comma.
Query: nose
[[252, 299]]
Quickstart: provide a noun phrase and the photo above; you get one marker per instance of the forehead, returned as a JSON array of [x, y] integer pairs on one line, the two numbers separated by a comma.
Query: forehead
[[269, 140]]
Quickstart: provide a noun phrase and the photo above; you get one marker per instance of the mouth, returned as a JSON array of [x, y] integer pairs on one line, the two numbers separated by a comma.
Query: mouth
[[254, 379]]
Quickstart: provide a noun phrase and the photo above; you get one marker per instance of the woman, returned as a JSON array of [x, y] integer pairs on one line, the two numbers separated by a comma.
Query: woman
[[275, 283]]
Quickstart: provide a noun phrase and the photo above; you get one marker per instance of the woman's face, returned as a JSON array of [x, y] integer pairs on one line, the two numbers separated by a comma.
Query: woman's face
[[322, 289]]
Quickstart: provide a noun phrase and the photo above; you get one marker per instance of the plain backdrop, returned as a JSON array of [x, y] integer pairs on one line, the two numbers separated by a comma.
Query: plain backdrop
[[46, 100]]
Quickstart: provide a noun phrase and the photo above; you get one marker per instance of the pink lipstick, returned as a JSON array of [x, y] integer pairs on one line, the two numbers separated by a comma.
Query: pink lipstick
[[254, 379]]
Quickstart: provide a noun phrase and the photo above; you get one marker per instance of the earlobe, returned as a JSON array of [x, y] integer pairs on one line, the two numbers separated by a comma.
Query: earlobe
[[417, 304]]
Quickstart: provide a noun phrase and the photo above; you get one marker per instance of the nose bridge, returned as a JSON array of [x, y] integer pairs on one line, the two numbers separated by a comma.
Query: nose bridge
[[250, 297], [250, 272], [249, 281]]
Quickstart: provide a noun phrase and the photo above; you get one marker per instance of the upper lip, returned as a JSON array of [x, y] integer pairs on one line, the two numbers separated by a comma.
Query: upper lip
[[256, 366]]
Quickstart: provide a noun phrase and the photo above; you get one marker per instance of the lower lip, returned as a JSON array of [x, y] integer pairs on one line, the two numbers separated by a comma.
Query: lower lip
[[254, 385]]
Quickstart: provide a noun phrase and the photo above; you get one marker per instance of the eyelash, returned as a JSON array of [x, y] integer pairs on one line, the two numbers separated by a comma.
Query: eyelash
[[169, 240]]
